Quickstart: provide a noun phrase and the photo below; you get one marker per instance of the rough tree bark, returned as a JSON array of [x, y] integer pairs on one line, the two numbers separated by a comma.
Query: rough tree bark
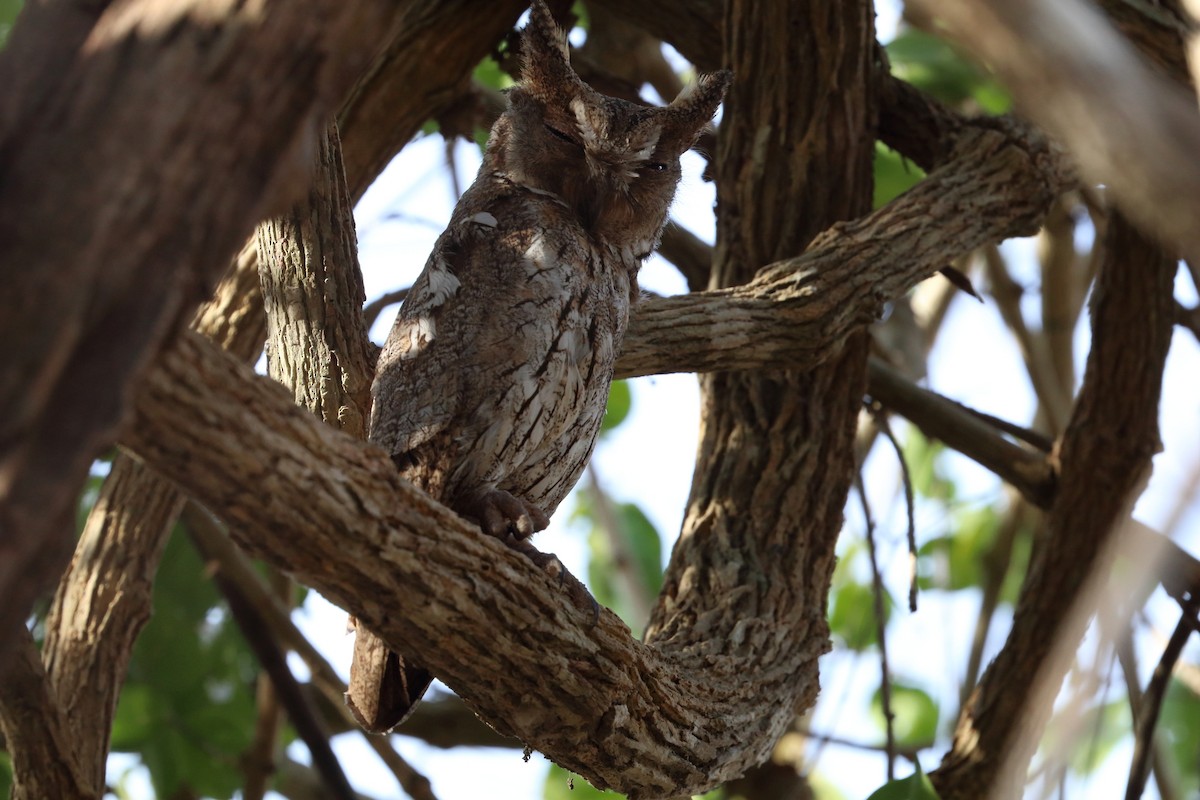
[[755, 556], [103, 600], [111, 211], [650, 720]]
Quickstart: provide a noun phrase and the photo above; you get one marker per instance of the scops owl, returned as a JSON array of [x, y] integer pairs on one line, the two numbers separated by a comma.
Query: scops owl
[[492, 384]]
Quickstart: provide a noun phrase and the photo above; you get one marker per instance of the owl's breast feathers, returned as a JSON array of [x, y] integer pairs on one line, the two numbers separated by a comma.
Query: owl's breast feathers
[[496, 371]]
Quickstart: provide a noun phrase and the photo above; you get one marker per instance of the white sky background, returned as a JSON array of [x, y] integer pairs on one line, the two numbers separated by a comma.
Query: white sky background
[[649, 461]]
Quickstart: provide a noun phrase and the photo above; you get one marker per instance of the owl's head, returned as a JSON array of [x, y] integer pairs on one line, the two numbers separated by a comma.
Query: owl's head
[[615, 163]]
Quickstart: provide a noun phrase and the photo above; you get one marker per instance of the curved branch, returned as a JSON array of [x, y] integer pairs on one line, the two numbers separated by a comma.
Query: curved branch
[[1129, 126], [109, 141], [1000, 182], [1105, 455], [334, 513]]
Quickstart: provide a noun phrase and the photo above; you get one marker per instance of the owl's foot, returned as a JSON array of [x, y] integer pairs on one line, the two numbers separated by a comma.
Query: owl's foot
[[549, 563], [501, 515]]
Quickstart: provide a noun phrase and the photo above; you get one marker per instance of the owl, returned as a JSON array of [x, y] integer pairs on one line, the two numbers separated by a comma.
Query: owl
[[492, 384]]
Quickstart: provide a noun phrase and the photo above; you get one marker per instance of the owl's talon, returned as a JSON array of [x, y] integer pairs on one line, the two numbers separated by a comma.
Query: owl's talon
[[501, 515]]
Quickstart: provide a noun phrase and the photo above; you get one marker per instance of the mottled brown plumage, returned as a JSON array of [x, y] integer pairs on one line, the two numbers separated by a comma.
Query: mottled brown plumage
[[493, 382]]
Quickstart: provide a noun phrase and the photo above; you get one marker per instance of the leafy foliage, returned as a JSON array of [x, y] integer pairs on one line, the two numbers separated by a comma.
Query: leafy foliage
[[894, 174], [620, 401], [1179, 731], [852, 616], [928, 63], [563, 785], [188, 707], [8, 14], [6, 774], [914, 787], [915, 715]]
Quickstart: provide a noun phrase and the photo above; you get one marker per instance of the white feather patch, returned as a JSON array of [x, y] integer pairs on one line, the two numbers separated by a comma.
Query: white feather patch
[[443, 284], [417, 334], [484, 218], [585, 125], [537, 255]]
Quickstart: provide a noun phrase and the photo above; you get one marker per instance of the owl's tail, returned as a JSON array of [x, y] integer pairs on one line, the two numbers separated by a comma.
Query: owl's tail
[[384, 687]]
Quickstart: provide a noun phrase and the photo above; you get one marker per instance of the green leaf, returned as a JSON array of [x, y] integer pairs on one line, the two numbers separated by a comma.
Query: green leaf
[[490, 74], [6, 775], [188, 708], [638, 538], [620, 400], [894, 174], [914, 787], [1178, 730], [922, 456], [929, 63], [852, 616], [8, 14], [915, 715], [563, 785], [954, 562]]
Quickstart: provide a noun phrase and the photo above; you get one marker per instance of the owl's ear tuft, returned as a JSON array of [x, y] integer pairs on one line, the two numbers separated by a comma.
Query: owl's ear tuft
[[696, 104], [546, 67]]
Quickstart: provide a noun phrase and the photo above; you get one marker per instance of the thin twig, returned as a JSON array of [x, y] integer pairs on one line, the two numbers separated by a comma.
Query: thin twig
[[881, 418], [944, 420], [910, 753], [1127, 658], [216, 545], [272, 658], [1007, 293], [885, 687], [373, 309], [1152, 701]]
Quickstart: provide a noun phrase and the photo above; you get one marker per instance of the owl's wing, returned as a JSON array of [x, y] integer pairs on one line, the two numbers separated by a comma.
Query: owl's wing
[[417, 381]]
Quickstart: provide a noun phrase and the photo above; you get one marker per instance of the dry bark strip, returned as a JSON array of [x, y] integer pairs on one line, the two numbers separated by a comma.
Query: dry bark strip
[[116, 119]]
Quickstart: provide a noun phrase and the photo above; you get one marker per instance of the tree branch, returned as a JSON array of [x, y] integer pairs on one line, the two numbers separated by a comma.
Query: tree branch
[[1000, 183], [103, 600], [110, 208], [1105, 455], [1128, 126], [272, 657], [35, 732]]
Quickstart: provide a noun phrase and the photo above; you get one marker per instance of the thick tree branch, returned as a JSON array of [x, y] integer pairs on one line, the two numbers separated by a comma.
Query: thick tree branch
[[421, 71], [36, 734], [1000, 183], [109, 141], [1105, 455], [220, 482], [103, 599], [1128, 126]]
